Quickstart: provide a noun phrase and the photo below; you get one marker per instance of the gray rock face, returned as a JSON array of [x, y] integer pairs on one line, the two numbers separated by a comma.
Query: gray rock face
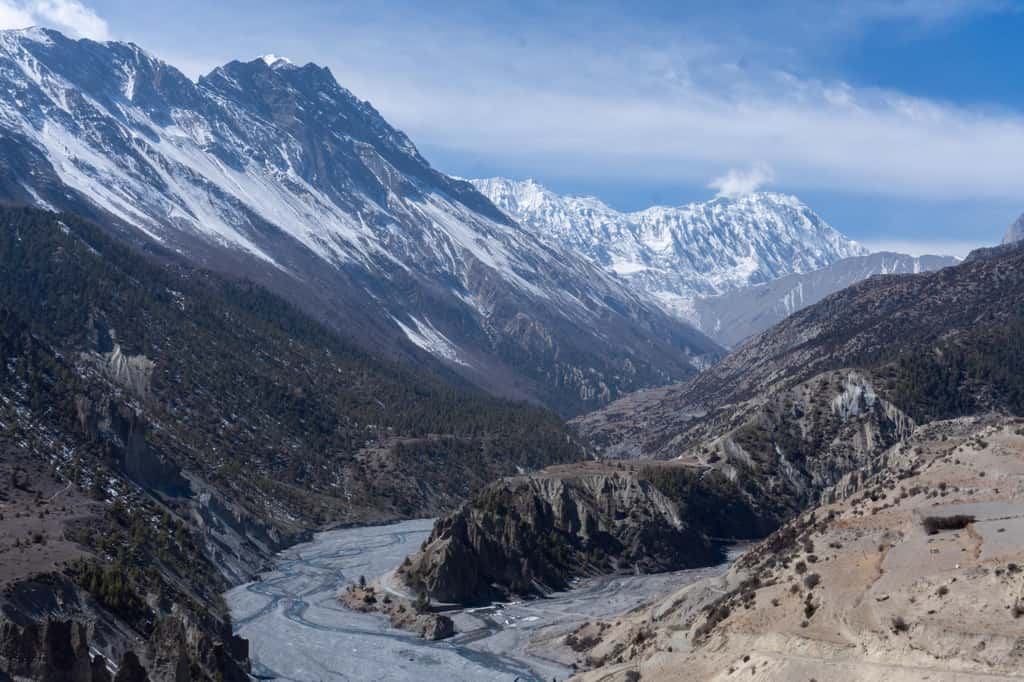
[[436, 626], [530, 535], [738, 315], [274, 171], [50, 651], [1015, 232]]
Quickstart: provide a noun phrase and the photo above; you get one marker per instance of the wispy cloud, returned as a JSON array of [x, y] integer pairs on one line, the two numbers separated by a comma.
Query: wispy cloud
[[738, 182], [690, 121], [69, 16]]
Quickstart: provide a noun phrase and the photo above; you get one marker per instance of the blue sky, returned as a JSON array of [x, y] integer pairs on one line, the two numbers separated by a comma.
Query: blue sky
[[901, 122]]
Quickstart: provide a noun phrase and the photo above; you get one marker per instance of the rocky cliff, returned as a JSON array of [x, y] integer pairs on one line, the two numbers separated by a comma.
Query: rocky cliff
[[529, 535]]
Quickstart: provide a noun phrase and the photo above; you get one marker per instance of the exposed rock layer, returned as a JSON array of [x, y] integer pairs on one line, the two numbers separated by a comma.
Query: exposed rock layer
[[530, 535]]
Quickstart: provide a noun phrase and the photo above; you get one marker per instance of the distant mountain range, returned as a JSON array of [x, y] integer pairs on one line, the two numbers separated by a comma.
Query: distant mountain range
[[275, 172], [675, 254], [732, 266]]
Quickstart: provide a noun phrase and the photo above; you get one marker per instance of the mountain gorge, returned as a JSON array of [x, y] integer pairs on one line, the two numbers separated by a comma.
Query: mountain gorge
[[166, 430], [275, 172], [242, 309]]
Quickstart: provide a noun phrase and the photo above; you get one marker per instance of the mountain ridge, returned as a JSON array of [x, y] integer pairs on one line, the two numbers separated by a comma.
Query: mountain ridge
[[675, 254], [282, 175]]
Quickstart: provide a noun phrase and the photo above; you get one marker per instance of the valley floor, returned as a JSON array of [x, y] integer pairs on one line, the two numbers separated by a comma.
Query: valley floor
[[298, 631]]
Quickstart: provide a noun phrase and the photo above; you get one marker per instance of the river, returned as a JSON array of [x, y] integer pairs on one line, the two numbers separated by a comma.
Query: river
[[298, 631]]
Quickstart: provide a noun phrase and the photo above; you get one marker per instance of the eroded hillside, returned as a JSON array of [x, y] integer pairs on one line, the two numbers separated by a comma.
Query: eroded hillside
[[910, 573]]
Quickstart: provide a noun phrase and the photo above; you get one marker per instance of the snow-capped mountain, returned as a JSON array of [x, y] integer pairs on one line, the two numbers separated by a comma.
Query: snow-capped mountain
[[678, 253], [274, 171], [740, 314]]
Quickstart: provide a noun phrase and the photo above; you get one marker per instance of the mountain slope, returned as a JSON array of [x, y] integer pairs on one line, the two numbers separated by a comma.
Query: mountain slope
[[674, 254], [827, 390], [887, 328], [181, 427], [276, 172], [737, 315], [911, 572]]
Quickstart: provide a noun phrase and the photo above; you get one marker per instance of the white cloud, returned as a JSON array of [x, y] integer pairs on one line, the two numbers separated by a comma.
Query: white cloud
[[638, 125], [660, 106], [13, 16], [739, 182], [73, 17], [68, 16]]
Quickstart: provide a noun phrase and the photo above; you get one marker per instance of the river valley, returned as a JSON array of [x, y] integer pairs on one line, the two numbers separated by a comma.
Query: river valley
[[299, 632]]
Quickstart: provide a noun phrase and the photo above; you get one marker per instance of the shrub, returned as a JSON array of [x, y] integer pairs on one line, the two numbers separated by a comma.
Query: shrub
[[811, 581], [422, 604], [933, 524], [942, 591], [899, 625]]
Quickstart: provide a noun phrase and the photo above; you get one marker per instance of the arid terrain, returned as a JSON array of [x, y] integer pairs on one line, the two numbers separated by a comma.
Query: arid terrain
[[916, 573], [34, 510]]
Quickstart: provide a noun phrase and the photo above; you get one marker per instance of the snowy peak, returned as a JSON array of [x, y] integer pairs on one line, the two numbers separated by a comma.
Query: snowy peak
[[275, 62], [677, 253]]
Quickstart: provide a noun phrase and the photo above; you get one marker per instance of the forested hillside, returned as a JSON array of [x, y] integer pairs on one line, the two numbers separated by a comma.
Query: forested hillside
[[171, 428]]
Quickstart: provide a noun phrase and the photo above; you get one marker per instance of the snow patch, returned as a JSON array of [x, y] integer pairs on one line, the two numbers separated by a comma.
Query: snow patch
[[272, 60], [426, 336]]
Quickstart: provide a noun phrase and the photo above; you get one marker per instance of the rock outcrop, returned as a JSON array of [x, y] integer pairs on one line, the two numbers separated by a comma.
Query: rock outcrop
[[50, 651], [530, 535], [401, 613]]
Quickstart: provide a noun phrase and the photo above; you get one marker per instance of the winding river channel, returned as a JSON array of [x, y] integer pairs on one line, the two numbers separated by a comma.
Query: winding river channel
[[298, 631]]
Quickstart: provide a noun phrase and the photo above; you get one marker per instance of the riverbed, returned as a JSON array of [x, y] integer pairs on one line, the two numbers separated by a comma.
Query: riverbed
[[298, 631]]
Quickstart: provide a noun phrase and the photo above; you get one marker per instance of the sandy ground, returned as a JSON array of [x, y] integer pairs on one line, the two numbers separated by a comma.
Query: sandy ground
[[891, 601], [33, 517], [298, 631]]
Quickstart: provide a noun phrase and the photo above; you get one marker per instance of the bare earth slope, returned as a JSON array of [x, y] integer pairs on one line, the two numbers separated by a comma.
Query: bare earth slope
[[859, 589]]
